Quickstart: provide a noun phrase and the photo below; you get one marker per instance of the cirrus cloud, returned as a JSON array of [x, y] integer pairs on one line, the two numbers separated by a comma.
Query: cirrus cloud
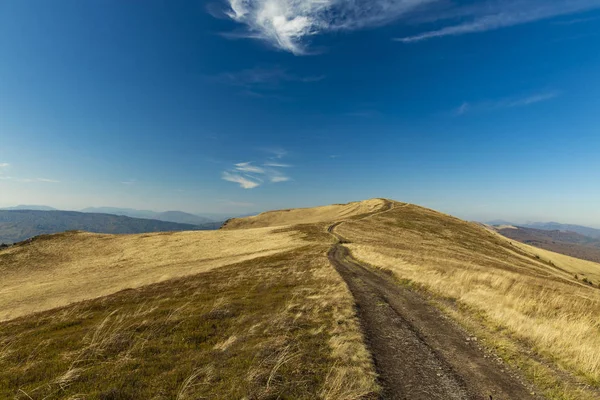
[[494, 15], [289, 24], [248, 175], [286, 24]]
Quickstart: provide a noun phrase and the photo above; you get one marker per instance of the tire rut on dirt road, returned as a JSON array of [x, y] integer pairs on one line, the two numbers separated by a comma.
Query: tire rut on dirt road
[[419, 353]]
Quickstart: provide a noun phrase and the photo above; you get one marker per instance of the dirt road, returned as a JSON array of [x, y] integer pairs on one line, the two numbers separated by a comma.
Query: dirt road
[[419, 353]]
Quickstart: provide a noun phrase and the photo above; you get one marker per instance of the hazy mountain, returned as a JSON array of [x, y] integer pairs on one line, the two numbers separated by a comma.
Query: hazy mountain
[[182, 217], [555, 226], [171, 216], [497, 222], [18, 225], [29, 207]]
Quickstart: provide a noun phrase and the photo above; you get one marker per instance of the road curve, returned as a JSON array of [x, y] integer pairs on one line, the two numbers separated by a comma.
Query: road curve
[[419, 354]]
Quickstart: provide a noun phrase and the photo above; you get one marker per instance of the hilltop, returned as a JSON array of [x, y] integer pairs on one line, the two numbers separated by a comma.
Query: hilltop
[[354, 301]]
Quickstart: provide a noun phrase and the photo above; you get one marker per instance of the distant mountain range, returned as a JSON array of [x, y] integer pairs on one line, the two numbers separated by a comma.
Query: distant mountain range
[[17, 225], [562, 241], [171, 216], [179, 217], [553, 226], [29, 207]]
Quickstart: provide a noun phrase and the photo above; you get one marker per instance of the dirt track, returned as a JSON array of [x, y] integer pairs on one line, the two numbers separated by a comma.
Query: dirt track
[[418, 352]]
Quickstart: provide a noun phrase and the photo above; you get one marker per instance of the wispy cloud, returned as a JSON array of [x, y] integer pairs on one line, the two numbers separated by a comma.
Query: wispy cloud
[[287, 24], [244, 181], [496, 14], [280, 178], [264, 77], [574, 21], [264, 83], [249, 175], [290, 24], [278, 165], [513, 102], [129, 182], [248, 167], [4, 165]]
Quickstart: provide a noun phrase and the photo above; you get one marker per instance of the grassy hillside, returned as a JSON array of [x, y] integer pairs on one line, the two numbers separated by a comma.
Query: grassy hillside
[[527, 304], [18, 225], [74, 266], [277, 327], [258, 312]]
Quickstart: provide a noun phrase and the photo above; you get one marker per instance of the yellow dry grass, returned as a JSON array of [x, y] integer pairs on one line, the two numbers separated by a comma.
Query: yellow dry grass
[[335, 212], [60, 269], [277, 326], [571, 265], [536, 299]]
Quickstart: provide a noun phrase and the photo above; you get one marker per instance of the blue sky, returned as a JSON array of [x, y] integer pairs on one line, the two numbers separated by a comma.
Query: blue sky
[[483, 109]]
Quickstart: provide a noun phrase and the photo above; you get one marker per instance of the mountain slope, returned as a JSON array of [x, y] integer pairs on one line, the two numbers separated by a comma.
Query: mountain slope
[[501, 290], [75, 266], [18, 225], [275, 320]]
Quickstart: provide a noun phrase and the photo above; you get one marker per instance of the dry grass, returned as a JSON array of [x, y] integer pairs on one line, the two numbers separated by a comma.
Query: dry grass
[[335, 212], [523, 294], [276, 327], [573, 266], [56, 270]]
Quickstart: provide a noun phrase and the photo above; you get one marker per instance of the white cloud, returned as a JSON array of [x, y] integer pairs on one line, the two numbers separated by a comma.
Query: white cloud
[[493, 15], [286, 24], [250, 176], [248, 167], [280, 178], [243, 181], [513, 102], [289, 24], [4, 165]]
